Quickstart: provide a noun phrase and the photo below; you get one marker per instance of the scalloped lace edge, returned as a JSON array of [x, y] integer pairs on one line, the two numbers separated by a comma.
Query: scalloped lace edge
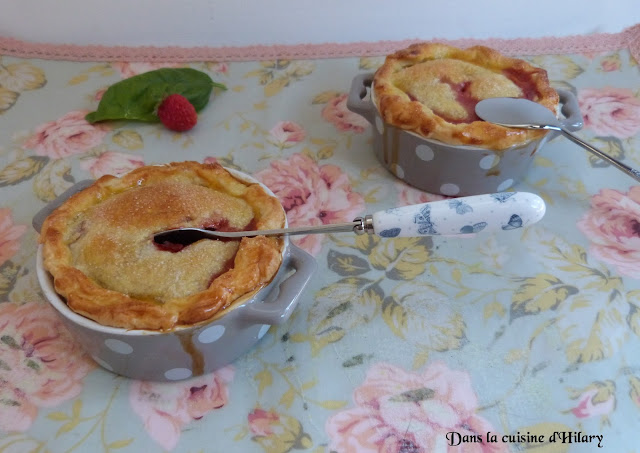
[[629, 39]]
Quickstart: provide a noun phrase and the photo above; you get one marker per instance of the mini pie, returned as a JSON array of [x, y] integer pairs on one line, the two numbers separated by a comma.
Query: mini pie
[[432, 89], [99, 247]]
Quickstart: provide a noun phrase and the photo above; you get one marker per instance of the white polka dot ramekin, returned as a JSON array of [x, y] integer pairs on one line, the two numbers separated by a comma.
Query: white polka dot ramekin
[[452, 170], [187, 351]]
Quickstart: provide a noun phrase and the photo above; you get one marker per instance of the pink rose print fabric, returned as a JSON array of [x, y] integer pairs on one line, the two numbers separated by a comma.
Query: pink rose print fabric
[[97, 96], [9, 235], [587, 407], [277, 433], [610, 111], [613, 227], [285, 134], [210, 160], [70, 134], [263, 423], [128, 69], [219, 68], [400, 411], [111, 163], [408, 195], [312, 194], [337, 113], [165, 408], [611, 63], [40, 363]]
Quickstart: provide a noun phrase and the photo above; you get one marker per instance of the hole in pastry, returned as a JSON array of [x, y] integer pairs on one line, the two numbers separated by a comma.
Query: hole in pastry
[[181, 239]]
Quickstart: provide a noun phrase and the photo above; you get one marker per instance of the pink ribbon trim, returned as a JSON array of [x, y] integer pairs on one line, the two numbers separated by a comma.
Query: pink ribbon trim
[[593, 43]]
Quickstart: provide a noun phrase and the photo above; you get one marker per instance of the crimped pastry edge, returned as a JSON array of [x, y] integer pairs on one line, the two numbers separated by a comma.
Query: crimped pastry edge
[[397, 109], [255, 264]]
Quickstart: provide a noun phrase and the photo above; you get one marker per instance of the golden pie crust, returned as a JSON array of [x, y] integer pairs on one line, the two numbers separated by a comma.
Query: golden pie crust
[[431, 89], [99, 247]]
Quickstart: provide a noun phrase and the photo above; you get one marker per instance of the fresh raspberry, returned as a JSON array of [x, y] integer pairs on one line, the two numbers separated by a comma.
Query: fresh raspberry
[[177, 113]]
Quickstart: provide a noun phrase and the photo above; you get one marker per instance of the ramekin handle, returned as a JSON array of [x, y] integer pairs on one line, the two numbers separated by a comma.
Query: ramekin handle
[[356, 102], [571, 110], [279, 305]]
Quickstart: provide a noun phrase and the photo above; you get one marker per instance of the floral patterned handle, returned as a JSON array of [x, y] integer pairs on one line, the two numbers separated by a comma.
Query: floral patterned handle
[[464, 215]]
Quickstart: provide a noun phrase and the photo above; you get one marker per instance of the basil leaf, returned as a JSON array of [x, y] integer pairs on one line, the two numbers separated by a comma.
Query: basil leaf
[[138, 97]]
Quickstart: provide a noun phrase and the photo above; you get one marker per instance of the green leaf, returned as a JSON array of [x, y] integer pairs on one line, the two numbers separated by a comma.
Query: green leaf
[[76, 408], [332, 404], [401, 258], [21, 170], [303, 442], [540, 293], [66, 428], [367, 63], [138, 97], [288, 397], [58, 416], [119, 443], [9, 273], [10, 341], [414, 396], [340, 307], [324, 338], [53, 180], [356, 360], [265, 379], [325, 97], [633, 319], [373, 296], [309, 384], [634, 393], [338, 310], [130, 140], [593, 329], [420, 359], [7, 98], [395, 316], [347, 265]]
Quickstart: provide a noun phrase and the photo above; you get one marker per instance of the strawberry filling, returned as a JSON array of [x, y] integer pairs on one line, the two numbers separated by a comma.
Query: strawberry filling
[[468, 102], [524, 82], [183, 240]]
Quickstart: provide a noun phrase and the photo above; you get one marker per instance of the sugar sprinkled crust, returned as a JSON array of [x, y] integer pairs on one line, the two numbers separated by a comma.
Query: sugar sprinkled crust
[[99, 248], [432, 88]]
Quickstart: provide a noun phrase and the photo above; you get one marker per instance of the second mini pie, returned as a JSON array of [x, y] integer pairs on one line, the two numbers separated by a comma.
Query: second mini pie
[[432, 89]]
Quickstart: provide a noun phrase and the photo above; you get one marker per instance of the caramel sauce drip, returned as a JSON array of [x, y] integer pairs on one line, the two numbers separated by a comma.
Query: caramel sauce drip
[[197, 359]]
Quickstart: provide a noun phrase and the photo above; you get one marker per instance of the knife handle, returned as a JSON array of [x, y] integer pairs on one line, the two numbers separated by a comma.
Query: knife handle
[[465, 215]]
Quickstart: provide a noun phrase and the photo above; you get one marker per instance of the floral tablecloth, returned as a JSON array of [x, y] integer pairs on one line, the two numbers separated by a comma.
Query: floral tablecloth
[[399, 345]]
